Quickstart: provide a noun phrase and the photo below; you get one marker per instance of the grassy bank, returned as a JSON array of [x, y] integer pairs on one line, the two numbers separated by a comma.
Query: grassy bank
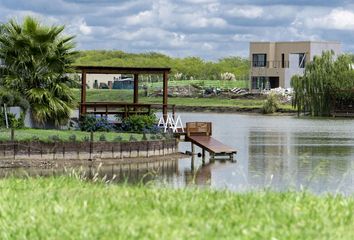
[[65, 208], [63, 135], [127, 96], [222, 84]]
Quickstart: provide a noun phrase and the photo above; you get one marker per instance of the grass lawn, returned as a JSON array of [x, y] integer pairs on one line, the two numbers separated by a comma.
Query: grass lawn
[[127, 96], [64, 135], [222, 84], [66, 208]]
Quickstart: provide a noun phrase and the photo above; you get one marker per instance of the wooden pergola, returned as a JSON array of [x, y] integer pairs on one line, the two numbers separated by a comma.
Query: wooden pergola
[[135, 71]]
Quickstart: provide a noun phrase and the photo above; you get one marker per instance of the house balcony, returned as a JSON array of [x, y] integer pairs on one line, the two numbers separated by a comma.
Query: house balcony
[[270, 64]]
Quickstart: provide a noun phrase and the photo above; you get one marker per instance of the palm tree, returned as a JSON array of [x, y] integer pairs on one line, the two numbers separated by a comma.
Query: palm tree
[[37, 60]]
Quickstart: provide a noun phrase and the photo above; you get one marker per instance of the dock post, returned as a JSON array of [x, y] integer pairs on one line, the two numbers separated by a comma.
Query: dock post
[[203, 156], [232, 157], [193, 156], [212, 157]]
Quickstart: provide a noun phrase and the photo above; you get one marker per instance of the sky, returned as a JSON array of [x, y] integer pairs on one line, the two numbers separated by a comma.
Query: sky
[[210, 29]]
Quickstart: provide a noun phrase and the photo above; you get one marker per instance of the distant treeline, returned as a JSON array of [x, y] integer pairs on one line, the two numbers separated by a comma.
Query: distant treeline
[[182, 68]]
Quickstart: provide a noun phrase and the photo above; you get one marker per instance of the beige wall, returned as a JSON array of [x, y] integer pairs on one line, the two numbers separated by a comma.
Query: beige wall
[[274, 51]]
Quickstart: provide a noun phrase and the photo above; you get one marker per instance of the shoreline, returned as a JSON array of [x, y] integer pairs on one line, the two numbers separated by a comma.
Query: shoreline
[[219, 109], [60, 164]]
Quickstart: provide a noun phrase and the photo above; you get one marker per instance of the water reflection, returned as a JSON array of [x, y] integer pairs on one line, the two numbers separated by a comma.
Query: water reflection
[[284, 153], [314, 161], [279, 153]]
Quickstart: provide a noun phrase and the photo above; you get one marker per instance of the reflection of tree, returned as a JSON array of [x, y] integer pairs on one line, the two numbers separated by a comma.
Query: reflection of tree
[[318, 160], [268, 152], [322, 158]]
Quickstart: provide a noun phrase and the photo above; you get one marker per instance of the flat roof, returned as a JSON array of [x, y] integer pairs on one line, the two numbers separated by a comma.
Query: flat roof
[[124, 70]]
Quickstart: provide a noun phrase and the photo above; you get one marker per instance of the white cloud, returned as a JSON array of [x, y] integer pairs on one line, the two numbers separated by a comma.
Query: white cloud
[[246, 38], [246, 12], [197, 21], [200, 1], [339, 19], [145, 17], [207, 28], [207, 46], [84, 29]]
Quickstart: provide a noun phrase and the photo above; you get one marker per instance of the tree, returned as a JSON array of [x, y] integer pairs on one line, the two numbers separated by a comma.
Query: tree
[[37, 60], [324, 79], [189, 66]]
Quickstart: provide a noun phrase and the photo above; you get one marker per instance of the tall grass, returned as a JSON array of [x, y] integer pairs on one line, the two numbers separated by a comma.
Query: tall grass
[[68, 208]]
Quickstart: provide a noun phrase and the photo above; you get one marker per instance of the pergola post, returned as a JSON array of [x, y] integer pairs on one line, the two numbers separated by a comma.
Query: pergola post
[[165, 95], [136, 88], [83, 92]]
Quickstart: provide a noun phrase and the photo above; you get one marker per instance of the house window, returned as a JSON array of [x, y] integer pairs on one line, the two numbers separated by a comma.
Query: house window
[[283, 60], [259, 60], [260, 83], [302, 60]]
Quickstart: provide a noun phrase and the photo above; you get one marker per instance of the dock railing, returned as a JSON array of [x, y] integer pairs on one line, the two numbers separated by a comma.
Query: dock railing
[[198, 129]]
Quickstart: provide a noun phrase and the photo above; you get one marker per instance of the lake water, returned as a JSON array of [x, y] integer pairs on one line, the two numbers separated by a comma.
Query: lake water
[[278, 152], [274, 152]]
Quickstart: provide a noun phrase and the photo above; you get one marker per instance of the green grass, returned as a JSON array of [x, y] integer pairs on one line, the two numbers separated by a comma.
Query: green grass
[[127, 96], [222, 84], [65, 208], [64, 135]]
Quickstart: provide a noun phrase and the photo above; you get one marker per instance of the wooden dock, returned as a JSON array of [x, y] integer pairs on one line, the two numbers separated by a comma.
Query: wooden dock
[[199, 133]]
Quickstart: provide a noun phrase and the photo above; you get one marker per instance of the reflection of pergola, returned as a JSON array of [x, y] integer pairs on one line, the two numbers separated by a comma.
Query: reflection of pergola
[[121, 108]]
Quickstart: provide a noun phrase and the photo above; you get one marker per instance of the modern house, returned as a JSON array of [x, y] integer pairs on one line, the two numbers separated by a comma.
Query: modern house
[[274, 63]]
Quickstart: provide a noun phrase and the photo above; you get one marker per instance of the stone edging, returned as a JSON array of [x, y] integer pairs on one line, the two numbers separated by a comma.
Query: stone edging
[[86, 150]]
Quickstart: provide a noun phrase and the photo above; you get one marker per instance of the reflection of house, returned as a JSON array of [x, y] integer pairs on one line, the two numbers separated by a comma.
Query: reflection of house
[[274, 63]]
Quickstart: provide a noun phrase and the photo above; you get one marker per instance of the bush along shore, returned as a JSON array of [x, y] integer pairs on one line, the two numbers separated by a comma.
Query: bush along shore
[[67, 207]]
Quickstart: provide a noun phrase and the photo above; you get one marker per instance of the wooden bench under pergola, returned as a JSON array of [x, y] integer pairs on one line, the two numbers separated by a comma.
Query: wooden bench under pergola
[[122, 108]]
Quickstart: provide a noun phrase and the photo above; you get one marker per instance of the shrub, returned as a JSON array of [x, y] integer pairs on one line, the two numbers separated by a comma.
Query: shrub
[[72, 137], [86, 139], [14, 122], [35, 138], [140, 123], [54, 138], [103, 138], [228, 76], [90, 123], [155, 129], [271, 104], [118, 139], [132, 139]]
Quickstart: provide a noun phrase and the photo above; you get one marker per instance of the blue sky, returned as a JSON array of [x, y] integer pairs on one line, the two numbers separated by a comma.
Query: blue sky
[[210, 29]]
